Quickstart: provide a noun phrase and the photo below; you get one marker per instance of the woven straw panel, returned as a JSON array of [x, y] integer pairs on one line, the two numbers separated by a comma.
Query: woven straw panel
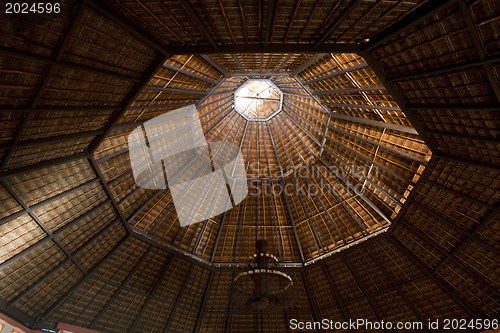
[[489, 231], [370, 276], [333, 313], [87, 225], [90, 254], [148, 271], [154, 318], [186, 237], [116, 142], [475, 255], [116, 268], [217, 298], [466, 87], [35, 153], [85, 303], [53, 123], [360, 309], [214, 106], [40, 299], [194, 64], [274, 322], [9, 122], [99, 43], [408, 144], [60, 212], [173, 280], [370, 18], [401, 268], [471, 124], [115, 167], [195, 285], [260, 62], [228, 23], [8, 203], [228, 61], [29, 269], [459, 211], [322, 295], [207, 238], [386, 162], [18, 80], [437, 41], [168, 227], [68, 87], [468, 288], [124, 188], [330, 64], [144, 109], [18, 235], [344, 164], [120, 314], [344, 281], [151, 97], [182, 321], [134, 201], [481, 150], [40, 36], [427, 253], [485, 14], [153, 213], [180, 80], [36, 186], [312, 119], [213, 323], [436, 232], [301, 303], [393, 307], [295, 61], [431, 301], [168, 24]]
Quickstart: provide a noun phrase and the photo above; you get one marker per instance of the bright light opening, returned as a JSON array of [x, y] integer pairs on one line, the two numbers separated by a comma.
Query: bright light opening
[[258, 100]]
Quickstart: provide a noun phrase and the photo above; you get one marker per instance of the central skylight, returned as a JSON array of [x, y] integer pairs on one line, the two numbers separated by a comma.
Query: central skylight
[[258, 100]]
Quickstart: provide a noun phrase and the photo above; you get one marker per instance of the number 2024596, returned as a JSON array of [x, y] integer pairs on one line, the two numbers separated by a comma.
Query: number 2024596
[[32, 8]]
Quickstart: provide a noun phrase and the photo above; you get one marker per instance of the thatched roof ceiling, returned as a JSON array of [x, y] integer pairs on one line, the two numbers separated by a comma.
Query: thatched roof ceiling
[[406, 92]]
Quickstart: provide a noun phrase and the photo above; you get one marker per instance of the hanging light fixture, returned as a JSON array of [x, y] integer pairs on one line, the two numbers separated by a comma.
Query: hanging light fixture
[[262, 288]]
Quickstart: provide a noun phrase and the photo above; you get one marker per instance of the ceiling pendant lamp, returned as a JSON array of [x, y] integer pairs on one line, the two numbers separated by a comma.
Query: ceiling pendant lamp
[[262, 288]]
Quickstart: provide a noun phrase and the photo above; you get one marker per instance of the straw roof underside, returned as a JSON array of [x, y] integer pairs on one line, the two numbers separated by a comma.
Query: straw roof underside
[[82, 244]]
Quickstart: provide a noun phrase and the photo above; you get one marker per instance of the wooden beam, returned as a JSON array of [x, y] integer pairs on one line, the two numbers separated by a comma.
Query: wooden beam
[[283, 48], [445, 287], [9, 52], [80, 283], [215, 65], [361, 106], [204, 300], [128, 100], [190, 74], [337, 22], [337, 73], [197, 20], [407, 22], [393, 89]]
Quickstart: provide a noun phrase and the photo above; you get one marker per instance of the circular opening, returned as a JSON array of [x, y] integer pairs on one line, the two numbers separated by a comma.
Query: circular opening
[[258, 100]]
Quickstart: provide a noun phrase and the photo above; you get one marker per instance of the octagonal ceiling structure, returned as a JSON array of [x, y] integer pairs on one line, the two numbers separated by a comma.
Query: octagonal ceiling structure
[[329, 164], [82, 244]]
